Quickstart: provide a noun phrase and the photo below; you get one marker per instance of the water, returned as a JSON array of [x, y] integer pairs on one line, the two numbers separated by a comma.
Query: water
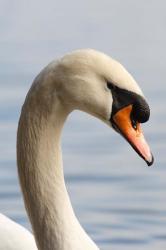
[[119, 201]]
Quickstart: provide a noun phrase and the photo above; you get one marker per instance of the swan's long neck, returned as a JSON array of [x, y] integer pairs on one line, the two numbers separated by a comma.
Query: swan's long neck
[[41, 175]]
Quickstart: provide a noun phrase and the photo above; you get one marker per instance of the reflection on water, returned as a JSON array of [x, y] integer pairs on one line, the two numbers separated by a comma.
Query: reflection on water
[[120, 201]]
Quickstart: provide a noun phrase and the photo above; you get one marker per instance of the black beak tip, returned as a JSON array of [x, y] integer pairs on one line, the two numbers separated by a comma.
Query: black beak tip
[[149, 163]]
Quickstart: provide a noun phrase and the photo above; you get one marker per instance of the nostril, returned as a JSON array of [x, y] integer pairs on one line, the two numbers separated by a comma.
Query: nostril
[[134, 124]]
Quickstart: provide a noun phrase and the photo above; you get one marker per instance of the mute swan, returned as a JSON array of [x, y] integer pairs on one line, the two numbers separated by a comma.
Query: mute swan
[[86, 80]]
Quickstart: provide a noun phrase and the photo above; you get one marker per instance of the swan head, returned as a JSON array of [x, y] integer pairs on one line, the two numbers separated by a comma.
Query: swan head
[[95, 83]]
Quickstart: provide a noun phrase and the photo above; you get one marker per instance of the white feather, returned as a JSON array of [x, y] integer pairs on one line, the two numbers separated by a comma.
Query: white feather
[[14, 236]]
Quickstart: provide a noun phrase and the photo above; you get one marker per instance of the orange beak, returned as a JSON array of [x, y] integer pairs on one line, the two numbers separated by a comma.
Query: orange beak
[[134, 135]]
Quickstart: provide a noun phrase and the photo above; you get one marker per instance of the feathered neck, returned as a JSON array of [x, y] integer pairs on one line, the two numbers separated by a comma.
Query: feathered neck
[[41, 176]]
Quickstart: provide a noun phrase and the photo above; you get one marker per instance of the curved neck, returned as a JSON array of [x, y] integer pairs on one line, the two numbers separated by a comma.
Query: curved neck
[[41, 176]]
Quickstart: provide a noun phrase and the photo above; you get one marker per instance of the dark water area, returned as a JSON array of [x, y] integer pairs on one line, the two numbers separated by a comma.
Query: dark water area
[[119, 200]]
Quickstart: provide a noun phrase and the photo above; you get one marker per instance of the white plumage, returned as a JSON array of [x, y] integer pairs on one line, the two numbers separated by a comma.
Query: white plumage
[[14, 236]]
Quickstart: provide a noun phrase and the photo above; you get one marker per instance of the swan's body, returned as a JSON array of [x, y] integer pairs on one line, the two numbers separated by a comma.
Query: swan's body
[[77, 81], [14, 236]]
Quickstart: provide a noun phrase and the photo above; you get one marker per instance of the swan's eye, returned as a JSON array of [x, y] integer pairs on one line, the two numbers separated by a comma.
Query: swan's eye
[[110, 85]]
